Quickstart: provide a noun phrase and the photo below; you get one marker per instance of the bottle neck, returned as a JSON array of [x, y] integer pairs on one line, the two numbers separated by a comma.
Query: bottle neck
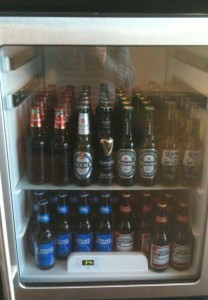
[[171, 122], [149, 127]]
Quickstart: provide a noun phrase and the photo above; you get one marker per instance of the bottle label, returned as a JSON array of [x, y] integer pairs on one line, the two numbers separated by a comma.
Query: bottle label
[[148, 160], [159, 256], [124, 242], [145, 243], [63, 209], [192, 158], [63, 244], [60, 120], [83, 127], [170, 157], [43, 218], [82, 165], [83, 242], [104, 241], [84, 210], [180, 255], [126, 166], [45, 254]]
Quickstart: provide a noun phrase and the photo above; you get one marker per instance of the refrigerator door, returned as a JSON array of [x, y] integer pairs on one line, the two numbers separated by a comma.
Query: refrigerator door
[[29, 51]]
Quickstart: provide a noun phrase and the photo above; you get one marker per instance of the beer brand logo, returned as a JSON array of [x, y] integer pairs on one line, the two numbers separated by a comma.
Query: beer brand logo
[[82, 164], [107, 146], [126, 163]]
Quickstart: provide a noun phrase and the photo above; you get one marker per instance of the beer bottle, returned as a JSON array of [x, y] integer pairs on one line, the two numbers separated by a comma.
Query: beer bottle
[[32, 225], [44, 241], [83, 228], [62, 152], [63, 228], [104, 236], [126, 157], [192, 155], [148, 154], [170, 199], [145, 225], [125, 231], [83, 155], [159, 252], [170, 150], [105, 149], [37, 150], [182, 241]]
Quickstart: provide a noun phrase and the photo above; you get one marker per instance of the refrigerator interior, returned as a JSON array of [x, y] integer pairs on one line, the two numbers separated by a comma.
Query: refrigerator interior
[[25, 71]]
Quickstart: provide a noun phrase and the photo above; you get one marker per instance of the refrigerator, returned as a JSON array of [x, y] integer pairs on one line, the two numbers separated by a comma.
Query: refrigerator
[[156, 56]]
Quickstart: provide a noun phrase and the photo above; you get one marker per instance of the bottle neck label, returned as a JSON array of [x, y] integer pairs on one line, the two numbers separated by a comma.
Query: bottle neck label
[[126, 163], [84, 210], [83, 242], [183, 219], [124, 242], [105, 210], [60, 121], [83, 124], [35, 120], [148, 163], [170, 157], [63, 209], [192, 158], [45, 254], [104, 242], [43, 218], [82, 165], [161, 220]]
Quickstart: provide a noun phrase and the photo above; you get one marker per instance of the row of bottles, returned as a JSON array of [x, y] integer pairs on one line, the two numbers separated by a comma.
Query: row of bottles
[[113, 146], [156, 224]]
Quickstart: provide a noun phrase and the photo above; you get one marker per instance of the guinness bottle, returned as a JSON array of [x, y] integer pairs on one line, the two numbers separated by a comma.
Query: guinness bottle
[[105, 149]]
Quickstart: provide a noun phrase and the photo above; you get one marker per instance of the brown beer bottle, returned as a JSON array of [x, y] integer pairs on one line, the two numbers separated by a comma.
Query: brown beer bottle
[[37, 149], [192, 155], [159, 253], [145, 226], [182, 241], [170, 149], [62, 152], [126, 158], [125, 230], [148, 154]]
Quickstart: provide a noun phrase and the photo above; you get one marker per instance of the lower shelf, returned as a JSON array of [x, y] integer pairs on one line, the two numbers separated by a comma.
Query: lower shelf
[[98, 267]]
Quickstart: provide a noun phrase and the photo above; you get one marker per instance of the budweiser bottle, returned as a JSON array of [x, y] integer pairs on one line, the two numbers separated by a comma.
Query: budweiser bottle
[[182, 240], [124, 229], [159, 252], [145, 225]]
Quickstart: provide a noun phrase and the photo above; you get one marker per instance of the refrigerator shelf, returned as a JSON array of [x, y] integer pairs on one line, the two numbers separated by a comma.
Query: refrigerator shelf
[[59, 273], [24, 184]]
